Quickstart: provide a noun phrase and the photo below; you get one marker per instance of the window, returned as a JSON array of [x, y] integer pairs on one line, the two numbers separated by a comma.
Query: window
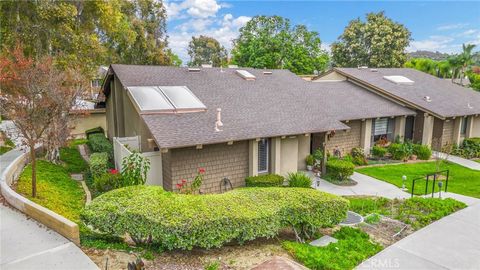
[[263, 155], [463, 127], [382, 128]]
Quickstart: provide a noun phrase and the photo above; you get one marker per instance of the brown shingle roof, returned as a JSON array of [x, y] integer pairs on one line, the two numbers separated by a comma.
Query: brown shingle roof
[[272, 105], [447, 99]]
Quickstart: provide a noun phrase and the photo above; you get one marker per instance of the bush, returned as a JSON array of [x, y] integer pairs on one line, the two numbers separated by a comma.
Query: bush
[[352, 248], [310, 160], [470, 148], [98, 164], [422, 152], [177, 221], [98, 143], [267, 180], [107, 181], [378, 151], [299, 179], [97, 130], [397, 151], [339, 169], [358, 157]]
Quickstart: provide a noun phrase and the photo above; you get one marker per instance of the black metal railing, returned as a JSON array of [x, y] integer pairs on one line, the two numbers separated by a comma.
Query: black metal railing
[[427, 180]]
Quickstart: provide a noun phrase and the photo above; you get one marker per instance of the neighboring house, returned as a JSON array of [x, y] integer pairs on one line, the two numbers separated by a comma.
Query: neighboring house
[[446, 113], [270, 120], [86, 115]]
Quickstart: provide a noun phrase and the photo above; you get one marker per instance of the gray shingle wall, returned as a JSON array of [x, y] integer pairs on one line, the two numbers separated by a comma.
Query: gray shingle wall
[[346, 140], [447, 137], [219, 161]]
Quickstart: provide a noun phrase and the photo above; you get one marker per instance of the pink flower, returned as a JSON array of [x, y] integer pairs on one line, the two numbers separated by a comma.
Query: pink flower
[[201, 170], [113, 171], [179, 186], [184, 181]]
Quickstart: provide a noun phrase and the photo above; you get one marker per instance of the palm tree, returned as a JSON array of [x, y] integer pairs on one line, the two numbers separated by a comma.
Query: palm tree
[[455, 63], [466, 59]]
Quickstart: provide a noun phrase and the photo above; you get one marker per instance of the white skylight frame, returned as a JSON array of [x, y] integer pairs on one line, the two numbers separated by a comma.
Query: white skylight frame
[[245, 74], [164, 99], [397, 79]]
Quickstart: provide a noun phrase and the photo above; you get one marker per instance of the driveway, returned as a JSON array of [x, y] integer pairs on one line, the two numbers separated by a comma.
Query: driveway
[[27, 244]]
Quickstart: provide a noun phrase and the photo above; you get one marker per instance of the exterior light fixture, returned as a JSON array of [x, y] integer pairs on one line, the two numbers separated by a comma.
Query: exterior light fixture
[[440, 184], [404, 179]]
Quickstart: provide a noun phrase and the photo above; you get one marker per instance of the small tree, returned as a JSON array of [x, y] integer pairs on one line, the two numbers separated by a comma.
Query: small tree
[[134, 169], [32, 94]]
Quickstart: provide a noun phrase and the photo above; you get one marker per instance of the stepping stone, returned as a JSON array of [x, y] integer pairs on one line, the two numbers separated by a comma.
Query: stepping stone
[[323, 241], [77, 176], [352, 219]]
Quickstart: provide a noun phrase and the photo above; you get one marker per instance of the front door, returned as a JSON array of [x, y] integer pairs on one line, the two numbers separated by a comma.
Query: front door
[[409, 128]]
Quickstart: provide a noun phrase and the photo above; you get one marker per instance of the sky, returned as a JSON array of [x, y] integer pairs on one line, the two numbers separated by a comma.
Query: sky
[[435, 25]]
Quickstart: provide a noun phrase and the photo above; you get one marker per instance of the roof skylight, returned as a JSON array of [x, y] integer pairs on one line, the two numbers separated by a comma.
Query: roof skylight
[[165, 99], [245, 74], [399, 79]]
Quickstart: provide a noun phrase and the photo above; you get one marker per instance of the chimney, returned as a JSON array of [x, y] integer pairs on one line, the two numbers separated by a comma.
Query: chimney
[[218, 123]]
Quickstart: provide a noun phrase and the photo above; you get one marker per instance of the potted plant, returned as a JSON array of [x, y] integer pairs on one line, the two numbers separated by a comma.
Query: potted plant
[[310, 160]]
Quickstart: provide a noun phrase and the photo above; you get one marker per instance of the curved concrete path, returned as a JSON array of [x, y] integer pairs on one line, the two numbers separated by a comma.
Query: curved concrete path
[[27, 244]]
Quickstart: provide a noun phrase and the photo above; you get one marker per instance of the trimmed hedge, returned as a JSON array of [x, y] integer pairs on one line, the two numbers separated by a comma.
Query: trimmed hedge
[[398, 151], [340, 169], [177, 221], [422, 152], [98, 164], [267, 180], [96, 130], [378, 151], [98, 143]]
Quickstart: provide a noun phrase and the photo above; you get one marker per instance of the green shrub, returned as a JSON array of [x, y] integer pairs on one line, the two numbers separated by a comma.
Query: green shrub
[[98, 164], [107, 181], [352, 248], [340, 169], [358, 157], [422, 152], [299, 179], [267, 180], [177, 221], [98, 143], [97, 130], [310, 160], [470, 148], [378, 151], [398, 151]]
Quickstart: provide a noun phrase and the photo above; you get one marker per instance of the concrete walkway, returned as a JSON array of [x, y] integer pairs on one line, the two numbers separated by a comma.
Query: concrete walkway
[[27, 244], [459, 160], [452, 242]]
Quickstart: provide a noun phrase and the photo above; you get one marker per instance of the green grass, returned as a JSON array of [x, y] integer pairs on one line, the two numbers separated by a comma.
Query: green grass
[[55, 189], [352, 248], [73, 161], [418, 212], [9, 145], [461, 180]]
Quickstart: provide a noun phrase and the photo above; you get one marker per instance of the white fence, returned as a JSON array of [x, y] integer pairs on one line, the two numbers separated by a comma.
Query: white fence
[[120, 150]]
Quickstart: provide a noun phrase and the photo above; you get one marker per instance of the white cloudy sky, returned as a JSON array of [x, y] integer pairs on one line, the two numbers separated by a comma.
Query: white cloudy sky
[[435, 25]]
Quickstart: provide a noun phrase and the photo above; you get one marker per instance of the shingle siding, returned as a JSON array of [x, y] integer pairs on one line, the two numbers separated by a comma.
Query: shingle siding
[[346, 140], [219, 160], [447, 137]]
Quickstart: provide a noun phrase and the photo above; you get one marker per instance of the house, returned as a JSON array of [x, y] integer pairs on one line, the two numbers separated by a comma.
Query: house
[[446, 113], [239, 122]]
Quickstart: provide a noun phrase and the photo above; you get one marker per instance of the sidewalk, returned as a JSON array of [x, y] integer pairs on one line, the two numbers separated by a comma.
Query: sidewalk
[[27, 244], [459, 160], [449, 243]]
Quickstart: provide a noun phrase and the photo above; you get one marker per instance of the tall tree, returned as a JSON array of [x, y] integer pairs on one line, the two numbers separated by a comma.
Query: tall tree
[[466, 59], [87, 33], [271, 42], [378, 42], [33, 95], [206, 50]]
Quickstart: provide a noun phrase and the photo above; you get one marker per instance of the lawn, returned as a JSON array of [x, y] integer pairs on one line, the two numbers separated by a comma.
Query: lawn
[[55, 189], [461, 180], [73, 161]]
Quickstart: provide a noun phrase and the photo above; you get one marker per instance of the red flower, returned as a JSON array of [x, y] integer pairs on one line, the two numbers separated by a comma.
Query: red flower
[[179, 186], [201, 170], [184, 181], [113, 171]]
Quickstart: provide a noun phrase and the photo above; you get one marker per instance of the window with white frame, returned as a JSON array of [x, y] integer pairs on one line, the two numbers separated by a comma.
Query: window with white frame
[[382, 128], [463, 126], [263, 155]]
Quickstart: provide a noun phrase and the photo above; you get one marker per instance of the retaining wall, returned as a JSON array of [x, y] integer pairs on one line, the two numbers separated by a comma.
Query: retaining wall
[[54, 221]]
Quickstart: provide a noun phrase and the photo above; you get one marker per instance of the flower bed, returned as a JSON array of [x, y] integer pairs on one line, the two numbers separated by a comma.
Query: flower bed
[[175, 221]]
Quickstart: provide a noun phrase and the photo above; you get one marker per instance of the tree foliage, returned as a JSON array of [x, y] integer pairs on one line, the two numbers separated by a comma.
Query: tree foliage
[[88, 33], [378, 42], [271, 42], [206, 50], [37, 96]]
